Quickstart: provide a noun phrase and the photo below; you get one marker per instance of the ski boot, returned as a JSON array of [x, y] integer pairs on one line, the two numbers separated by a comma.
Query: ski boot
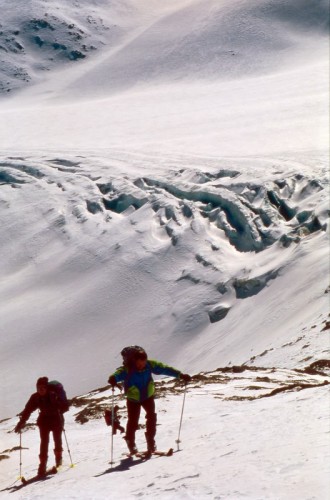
[[58, 458], [131, 446], [42, 469], [151, 444]]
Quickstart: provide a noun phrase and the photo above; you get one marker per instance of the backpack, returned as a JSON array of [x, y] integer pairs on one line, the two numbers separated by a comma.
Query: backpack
[[131, 353], [57, 388]]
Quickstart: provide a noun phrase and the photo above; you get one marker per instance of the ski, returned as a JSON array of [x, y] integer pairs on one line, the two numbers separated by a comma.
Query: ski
[[148, 454], [36, 478]]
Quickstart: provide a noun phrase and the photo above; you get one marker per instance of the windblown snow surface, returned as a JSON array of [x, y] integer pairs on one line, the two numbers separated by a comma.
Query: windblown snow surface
[[164, 182]]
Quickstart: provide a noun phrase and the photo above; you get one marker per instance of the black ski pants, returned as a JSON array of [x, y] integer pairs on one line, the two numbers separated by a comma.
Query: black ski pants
[[133, 413], [45, 430]]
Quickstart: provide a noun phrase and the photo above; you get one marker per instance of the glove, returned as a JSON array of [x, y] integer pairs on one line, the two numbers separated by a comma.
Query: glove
[[19, 427], [185, 377], [112, 381]]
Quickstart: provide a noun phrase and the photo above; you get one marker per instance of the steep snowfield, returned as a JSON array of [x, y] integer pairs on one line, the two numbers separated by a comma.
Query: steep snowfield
[[203, 266], [164, 182]]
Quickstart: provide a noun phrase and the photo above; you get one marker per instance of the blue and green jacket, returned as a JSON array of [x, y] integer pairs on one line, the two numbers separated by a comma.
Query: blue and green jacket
[[139, 385]]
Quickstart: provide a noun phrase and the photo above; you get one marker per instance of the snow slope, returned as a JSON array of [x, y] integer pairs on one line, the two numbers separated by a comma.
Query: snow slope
[[221, 78], [255, 433], [169, 187], [156, 246], [203, 266]]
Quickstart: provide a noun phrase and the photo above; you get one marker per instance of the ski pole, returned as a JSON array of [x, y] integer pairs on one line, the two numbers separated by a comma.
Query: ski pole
[[20, 456], [67, 445], [112, 426], [184, 398]]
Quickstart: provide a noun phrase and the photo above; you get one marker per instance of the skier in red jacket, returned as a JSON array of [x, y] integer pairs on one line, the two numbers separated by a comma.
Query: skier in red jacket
[[50, 419]]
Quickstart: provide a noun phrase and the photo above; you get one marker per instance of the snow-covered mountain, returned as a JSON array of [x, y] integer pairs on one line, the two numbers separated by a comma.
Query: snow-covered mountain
[[220, 78], [164, 182], [194, 255], [147, 42]]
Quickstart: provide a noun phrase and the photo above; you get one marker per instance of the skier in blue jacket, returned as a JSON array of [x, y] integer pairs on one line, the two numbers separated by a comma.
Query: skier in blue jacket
[[136, 374]]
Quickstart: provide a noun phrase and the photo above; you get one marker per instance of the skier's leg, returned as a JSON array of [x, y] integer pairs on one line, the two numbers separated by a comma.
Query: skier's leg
[[58, 449], [151, 422], [133, 414], [43, 455]]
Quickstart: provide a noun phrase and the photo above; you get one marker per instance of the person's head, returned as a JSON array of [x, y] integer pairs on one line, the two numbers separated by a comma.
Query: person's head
[[140, 360], [42, 386]]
